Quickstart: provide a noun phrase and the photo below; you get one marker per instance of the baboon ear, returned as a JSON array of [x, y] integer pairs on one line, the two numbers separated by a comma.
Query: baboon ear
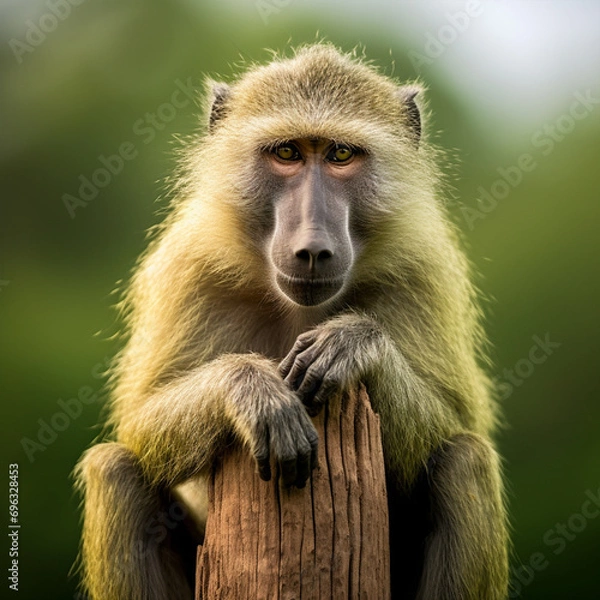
[[407, 95], [219, 94]]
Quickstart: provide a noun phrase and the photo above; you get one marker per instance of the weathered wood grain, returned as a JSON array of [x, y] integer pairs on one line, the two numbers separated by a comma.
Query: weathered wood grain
[[326, 541]]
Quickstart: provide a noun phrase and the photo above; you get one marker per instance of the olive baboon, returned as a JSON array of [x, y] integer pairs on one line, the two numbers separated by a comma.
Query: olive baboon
[[307, 250]]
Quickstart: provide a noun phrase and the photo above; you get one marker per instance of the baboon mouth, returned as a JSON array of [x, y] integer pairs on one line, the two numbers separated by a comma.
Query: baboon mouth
[[309, 291]]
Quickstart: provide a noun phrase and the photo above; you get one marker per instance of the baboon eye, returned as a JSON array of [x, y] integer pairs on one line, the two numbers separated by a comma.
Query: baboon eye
[[340, 153], [287, 152]]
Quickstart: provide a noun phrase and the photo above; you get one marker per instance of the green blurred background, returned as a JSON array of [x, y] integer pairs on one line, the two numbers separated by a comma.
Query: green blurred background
[[503, 80]]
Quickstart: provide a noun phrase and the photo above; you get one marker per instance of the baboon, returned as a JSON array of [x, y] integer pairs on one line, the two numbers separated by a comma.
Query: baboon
[[307, 249]]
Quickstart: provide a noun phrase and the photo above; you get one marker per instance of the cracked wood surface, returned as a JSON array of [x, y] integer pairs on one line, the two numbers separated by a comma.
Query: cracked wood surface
[[326, 541]]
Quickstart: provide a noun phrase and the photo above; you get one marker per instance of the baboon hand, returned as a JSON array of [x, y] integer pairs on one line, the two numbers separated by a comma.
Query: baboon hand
[[286, 434], [330, 357], [273, 421]]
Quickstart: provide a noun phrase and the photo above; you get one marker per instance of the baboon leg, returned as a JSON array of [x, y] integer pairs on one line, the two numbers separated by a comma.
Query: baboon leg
[[466, 551], [127, 548]]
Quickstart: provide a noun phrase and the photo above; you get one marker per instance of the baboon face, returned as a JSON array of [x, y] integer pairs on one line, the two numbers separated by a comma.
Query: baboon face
[[331, 143], [312, 249]]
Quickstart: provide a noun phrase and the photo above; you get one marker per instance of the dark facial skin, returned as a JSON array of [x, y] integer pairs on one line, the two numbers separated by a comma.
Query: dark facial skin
[[312, 247]]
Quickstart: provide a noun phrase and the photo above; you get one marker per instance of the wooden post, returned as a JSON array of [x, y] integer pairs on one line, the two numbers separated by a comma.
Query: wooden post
[[326, 541]]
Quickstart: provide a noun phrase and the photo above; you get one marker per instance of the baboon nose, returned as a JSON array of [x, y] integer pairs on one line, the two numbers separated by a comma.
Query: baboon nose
[[314, 254]]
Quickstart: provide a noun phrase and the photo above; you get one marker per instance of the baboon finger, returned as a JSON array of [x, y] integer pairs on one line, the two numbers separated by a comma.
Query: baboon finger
[[301, 344], [303, 469], [264, 468], [313, 440], [297, 373], [313, 378], [328, 387], [261, 452], [308, 451], [314, 452], [288, 470]]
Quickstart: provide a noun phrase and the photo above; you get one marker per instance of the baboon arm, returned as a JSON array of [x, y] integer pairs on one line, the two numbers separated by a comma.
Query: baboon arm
[[178, 430], [175, 432], [415, 418]]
